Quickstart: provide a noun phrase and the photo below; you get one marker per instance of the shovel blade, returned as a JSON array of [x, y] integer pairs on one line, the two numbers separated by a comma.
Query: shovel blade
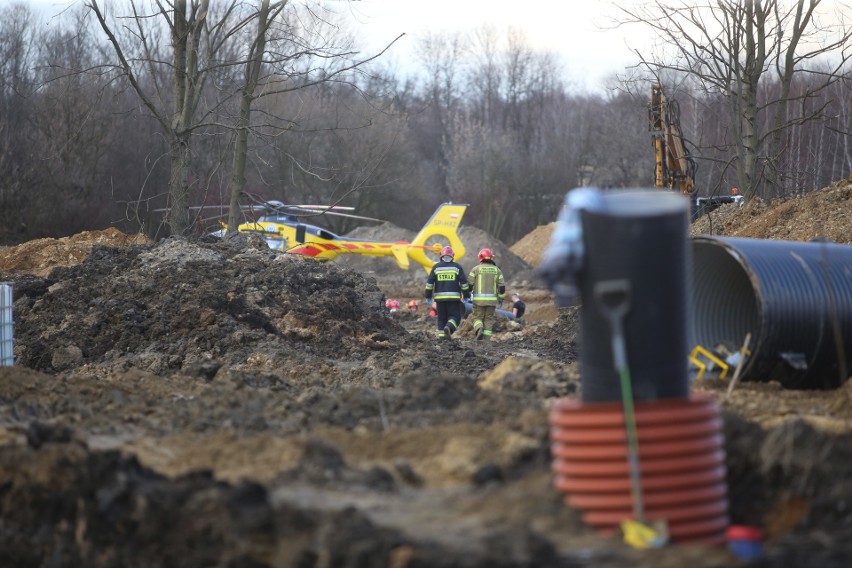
[[644, 535]]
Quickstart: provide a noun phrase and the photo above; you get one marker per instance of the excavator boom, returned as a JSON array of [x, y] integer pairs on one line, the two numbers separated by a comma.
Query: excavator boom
[[674, 168]]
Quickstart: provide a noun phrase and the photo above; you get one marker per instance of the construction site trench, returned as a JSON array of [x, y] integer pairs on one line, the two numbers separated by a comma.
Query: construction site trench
[[208, 402]]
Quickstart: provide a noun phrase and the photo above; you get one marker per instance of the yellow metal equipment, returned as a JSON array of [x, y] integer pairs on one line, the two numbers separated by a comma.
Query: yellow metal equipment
[[699, 350], [675, 168]]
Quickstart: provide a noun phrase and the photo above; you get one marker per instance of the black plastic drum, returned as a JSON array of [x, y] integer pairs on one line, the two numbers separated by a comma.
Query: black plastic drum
[[639, 237]]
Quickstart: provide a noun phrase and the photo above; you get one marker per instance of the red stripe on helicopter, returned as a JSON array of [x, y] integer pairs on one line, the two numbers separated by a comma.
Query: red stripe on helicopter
[[306, 250]]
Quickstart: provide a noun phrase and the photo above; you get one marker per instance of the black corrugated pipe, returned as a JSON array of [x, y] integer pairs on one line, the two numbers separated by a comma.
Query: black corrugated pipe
[[639, 237], [795, 298]]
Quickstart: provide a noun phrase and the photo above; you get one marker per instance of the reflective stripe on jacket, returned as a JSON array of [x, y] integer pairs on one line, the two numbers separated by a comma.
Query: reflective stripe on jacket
[[447, 281], [487, 284]]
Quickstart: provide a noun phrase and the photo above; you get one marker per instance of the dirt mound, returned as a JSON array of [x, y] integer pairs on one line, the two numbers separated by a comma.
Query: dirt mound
[[181, 304], [518, 273], [826, 213], [216, 403], [40, 256], [108, 510], [532, 246], [383, 268]]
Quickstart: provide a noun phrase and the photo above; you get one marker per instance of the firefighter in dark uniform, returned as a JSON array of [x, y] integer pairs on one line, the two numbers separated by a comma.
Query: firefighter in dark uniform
[[447, 286], [488, 292]]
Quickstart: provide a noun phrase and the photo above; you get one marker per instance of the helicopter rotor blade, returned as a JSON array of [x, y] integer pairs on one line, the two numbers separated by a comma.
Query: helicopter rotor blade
[[277, 206], [361, 217], [191, 208], [281, 207], [354, 216], [327, 207]]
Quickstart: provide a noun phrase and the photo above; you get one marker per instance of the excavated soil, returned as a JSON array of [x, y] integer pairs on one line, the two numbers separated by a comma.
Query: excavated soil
[[824, 214], [215, 403]]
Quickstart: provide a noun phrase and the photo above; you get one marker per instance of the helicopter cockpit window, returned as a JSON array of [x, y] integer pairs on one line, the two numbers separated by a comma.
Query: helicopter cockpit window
[[321, 233], [281, 219]]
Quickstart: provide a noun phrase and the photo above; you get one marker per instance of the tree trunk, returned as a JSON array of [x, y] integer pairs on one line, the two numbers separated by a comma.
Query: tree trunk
[[178, 139], [800, 22], [252, 74], [178, 187], [755, 56], [238, 176]]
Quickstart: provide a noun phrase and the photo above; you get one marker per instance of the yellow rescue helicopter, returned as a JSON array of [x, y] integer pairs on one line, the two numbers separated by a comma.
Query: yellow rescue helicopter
[[282, 229]]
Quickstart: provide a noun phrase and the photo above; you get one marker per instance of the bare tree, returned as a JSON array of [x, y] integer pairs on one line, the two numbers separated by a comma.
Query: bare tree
[[290, 52], [135, 39], [443, 57], [486, 80], [733, 47], [482, 166], [619, 141], [253, 66], [74, 122], [17, 38], [210, 43]]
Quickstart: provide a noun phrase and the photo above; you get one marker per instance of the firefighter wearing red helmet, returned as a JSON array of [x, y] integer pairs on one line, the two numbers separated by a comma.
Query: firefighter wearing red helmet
[[447, 286], [488, 290]]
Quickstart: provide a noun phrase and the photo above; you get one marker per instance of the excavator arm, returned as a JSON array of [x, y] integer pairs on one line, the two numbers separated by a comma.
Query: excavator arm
[[675, 168]]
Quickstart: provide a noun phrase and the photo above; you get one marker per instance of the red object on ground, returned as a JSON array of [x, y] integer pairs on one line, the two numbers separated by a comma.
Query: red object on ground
[[743, 532], [745, 542]]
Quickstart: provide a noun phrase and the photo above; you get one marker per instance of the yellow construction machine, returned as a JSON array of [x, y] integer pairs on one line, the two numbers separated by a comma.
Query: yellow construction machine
[[675, 168]]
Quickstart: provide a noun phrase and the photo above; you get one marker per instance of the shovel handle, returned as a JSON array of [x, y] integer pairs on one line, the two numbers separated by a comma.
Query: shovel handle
[[613, 298]]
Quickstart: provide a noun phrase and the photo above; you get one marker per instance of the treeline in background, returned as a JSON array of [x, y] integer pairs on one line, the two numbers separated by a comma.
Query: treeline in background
[[90, 140]]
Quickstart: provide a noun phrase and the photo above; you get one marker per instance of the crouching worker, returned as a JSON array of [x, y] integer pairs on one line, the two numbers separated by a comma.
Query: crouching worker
[[518, 308], [447, 286], [488, 292]]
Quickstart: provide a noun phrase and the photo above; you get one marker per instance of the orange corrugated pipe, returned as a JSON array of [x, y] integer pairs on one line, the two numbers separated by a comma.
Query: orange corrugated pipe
[[681, 460]]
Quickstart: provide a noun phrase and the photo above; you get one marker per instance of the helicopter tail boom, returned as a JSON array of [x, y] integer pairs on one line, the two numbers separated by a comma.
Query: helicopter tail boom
[[440, 229]]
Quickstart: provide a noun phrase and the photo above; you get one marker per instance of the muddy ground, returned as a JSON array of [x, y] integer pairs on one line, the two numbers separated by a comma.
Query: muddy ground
[[208, 403]]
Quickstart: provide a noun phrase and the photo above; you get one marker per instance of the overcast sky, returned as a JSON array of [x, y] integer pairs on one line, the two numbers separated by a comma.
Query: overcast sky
[[569, 28], [580, 32], [575, 30]]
